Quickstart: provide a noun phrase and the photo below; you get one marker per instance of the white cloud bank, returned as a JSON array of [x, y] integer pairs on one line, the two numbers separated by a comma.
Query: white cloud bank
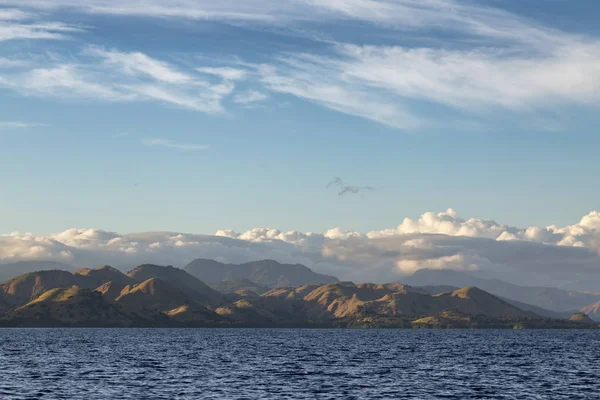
[[566, 257]]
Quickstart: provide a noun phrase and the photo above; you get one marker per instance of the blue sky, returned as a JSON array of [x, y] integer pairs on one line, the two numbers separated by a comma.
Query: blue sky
[[204, 116]]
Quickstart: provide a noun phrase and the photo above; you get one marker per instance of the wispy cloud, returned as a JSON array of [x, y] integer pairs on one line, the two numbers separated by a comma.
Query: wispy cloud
[[466, 17], [227, 73], [382, 82], [17, 24], [153, 142], [19, 125], [490, 59], [113, 76], [344, 189], [139, 64], [249, 97], [12, 63]]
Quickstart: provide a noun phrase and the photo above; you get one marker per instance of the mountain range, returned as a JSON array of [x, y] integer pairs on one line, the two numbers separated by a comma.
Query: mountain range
[[266, 273], [152, 295], [545, 301]]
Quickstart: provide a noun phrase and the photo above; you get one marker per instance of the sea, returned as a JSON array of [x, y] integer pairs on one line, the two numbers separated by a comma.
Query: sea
[[298, 364]]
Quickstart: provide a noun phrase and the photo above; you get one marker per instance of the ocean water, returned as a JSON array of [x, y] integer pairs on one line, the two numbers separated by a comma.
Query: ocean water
[[298, 364]]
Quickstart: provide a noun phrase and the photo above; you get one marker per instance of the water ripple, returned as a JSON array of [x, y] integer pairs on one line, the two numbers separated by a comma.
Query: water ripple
[[298, 364]]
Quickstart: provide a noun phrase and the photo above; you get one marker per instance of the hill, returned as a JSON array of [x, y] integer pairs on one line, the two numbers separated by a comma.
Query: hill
[[394, 300], [155, 299], [24, 288], [581, 318], [266, 273], [10, 270], [67, 307], [551, 299], [97, 276], [188, 284]]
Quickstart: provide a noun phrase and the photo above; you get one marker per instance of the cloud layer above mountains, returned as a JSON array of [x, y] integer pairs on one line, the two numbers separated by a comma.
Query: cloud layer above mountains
[[567, 257]]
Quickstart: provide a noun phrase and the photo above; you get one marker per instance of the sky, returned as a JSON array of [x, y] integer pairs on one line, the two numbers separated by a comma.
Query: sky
[[301, 115]]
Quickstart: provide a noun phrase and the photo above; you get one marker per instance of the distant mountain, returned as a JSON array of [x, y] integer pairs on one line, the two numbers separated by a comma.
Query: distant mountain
[[8, 271], [188, 284], [239, 284], [156, 296], [542, 312], [267, 273], [551, 299]]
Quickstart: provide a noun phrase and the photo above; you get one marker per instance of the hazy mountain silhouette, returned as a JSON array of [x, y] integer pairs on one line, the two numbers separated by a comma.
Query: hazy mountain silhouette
[[551, 299], [542, 312], [267, 273], [8, 271]]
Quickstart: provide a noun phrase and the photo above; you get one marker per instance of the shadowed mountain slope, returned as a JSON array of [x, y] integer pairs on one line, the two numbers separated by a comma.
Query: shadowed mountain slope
[[267, 273], [239, 284]]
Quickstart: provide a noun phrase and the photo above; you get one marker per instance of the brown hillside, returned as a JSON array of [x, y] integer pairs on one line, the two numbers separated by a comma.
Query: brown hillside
[[24, 288], [581, 318], [98, 276], [68, 307], [110, 290], [474, 301], [190, 285], [153, 294], [156, 299], [395, 299]]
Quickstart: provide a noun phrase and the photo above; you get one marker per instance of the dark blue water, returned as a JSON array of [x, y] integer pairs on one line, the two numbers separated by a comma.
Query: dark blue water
[[298, 364]]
